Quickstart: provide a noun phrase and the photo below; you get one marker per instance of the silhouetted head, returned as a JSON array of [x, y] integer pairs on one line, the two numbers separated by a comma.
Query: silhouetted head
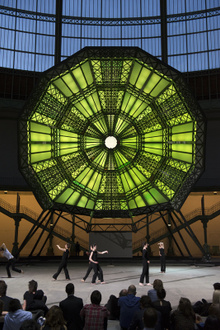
[[70, 288], [96, 297], [32, 286], [3, 288]]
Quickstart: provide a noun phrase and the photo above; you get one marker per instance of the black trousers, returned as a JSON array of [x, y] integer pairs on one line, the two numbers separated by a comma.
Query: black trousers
[[97, 272], [62, 265], [145, 272], [11, 263], [163, 263]]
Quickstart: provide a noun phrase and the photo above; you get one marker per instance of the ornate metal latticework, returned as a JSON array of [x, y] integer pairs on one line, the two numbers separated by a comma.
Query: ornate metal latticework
[[125, 95]]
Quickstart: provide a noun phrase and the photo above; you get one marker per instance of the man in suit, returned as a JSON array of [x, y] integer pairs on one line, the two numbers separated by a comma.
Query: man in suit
[[71, 307]]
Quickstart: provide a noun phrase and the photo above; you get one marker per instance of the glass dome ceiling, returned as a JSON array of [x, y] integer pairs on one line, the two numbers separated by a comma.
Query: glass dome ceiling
[[111, 132]]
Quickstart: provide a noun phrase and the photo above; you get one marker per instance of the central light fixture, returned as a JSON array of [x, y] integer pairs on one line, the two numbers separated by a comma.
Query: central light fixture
[[110, 142]]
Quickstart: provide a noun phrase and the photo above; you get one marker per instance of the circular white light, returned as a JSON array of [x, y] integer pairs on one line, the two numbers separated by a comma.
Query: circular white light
[[111, 142]]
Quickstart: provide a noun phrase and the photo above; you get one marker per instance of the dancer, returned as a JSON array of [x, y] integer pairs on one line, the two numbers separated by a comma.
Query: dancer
[[63, 264], [145, 270], [93, 258], [162, 257], [90, 267], [11, 260]]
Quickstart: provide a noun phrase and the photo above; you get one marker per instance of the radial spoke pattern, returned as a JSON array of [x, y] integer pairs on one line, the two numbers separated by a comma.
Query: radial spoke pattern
[[124, 96]]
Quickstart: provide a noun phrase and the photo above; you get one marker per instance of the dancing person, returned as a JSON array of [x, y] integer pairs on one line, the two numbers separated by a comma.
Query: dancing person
[[145, 261], [162, 257], [90, 267], [63, 264], [93, 258], [11, 260]]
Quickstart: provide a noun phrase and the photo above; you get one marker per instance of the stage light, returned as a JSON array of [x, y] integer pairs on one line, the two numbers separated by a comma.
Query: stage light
[[100, 96]]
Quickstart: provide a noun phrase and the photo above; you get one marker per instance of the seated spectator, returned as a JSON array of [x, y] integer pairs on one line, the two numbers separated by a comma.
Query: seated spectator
[[137, 322], [30, 325], [152, 293], [54, 319], [184, 317], [150, 319], [212, 323], [1, 316], [16, 316], [164, 307], [34, 299], [216, 293], [3, 297], [94, 316], [112, 305], [128, 306], [71, 307]]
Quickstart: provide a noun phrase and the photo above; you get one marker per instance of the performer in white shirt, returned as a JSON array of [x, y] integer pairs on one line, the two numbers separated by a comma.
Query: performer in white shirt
[[11, 260]]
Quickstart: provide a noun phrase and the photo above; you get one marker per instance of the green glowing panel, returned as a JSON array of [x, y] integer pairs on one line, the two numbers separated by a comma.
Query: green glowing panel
[[112, 132]]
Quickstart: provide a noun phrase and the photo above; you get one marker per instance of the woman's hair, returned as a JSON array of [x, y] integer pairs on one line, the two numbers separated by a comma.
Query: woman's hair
[[161, 293], [158, 284], [185, 307], [54, 317], [32, 285]]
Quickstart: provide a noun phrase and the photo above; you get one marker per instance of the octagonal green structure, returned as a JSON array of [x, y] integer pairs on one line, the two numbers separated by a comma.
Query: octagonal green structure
[[111, 132]]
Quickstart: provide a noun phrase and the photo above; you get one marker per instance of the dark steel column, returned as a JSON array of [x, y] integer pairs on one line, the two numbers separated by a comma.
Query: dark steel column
[[58, 31], [163, 15]]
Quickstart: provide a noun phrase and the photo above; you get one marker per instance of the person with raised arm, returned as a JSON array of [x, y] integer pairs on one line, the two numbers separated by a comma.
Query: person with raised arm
[[63, 264], [93, 258]]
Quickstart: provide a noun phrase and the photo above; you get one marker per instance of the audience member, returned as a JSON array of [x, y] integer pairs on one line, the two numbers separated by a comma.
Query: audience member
[[30, 325], [34, 299], [16, 316], [112, 305], [150, 319], [184, 317], [212, 323], [3, 297], [71, 307], [164, 307], [54, 319], [128, 305], [94, 316], [216, 293], [1, 316], [152, 293], [137, 322]]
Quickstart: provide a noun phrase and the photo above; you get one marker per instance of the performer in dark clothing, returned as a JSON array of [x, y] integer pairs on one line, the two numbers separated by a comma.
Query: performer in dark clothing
[[145, 270], [11, 260], [90, 267], [63, 264], [93, 258], [162, 257]]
